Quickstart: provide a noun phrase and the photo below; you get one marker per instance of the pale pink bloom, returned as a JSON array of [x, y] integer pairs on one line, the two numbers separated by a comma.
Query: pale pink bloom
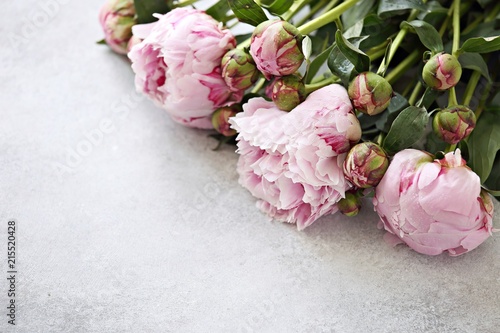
[[433, 205], [178, 65], [117, 18], [292, 161]]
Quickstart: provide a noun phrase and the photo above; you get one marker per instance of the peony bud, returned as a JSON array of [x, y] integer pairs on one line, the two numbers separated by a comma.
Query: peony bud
[[365, 164], [442, 71], [220, 119], [238, 70], [370, 93], [288, 92], [350, 205], [275, 48], [117, 18], [454, 124]]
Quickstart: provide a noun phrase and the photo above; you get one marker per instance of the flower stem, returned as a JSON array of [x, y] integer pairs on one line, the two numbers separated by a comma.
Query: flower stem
[[297, 5], [258, 86], [327, 17], [316, 8], [414, 95], [403, 66], [185, 3], [315, 86], [452, 97], [456, 26], [471, 87]]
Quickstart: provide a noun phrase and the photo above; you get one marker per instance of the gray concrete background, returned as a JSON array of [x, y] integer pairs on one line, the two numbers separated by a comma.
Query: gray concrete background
[[148, 230]]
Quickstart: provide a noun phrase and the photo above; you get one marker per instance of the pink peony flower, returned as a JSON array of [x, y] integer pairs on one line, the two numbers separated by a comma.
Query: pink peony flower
[[178, 65], [433, 205], [117, 18], [292, 161]]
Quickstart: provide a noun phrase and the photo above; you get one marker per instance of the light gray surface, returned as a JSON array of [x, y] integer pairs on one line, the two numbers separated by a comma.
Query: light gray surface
[[150, 232]]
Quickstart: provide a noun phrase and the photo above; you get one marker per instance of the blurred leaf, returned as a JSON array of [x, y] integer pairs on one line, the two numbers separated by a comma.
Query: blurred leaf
[[428, 98], [277, 7], [317, 63], [408, 127], [219, 11], [386, 118], [379, 31], [484, 143], [356, 13], [387, 8], [146, 9], [434, 144], [340, 65], [357, 57], [481, 44], [434, 14], [428, 35], [242, 38], [493, 181], [102, 42], [247, 11], [475, 62], [485, 3]]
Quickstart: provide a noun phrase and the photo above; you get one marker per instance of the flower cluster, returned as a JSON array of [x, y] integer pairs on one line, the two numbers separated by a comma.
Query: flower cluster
[[324, 117]]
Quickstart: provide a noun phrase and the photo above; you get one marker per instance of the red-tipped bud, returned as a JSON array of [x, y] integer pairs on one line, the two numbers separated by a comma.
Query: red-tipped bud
[[238, 70], [365, 164], [370, 93], [454, 124], [220, 119], [288, 92], [442, 71]]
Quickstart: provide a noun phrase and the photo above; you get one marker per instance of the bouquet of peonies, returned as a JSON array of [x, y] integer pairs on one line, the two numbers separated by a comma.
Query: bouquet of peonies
[[333, 101]]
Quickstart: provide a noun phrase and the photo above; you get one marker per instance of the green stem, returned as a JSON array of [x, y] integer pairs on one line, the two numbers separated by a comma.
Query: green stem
[[403, 66], [471, 87], [327, 17], [450, 148], [414, 95], [493, 14], [258, 86], [452, 97], [456, 26], [320, 5], [185, 3], [298, 5], [315, 86]]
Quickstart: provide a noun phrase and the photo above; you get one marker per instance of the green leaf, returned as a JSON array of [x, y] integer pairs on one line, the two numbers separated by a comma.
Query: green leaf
[[219, 11], [340, 65], [398, 103], [357, 57], [408, 127], [475, 62], [247, 11], [428, 35], [484, 3], [317, 63], [484, 143], [356, 13], [146, 9], [278, 7], [434, 14], [481, 44], [387, 8], [379, 31], [101, 42], [493, 181]]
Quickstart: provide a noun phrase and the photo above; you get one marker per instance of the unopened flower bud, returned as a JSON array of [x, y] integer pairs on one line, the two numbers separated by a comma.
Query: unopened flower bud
[[275, 48], [442, 71], [350, 205], [117, 18], [288, 92], [454, 124], [220, 119], [365, 164], [370, 93], [238, 70]]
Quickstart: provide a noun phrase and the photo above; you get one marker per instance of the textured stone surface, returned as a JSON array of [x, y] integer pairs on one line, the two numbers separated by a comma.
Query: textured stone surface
[[150, 232]]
